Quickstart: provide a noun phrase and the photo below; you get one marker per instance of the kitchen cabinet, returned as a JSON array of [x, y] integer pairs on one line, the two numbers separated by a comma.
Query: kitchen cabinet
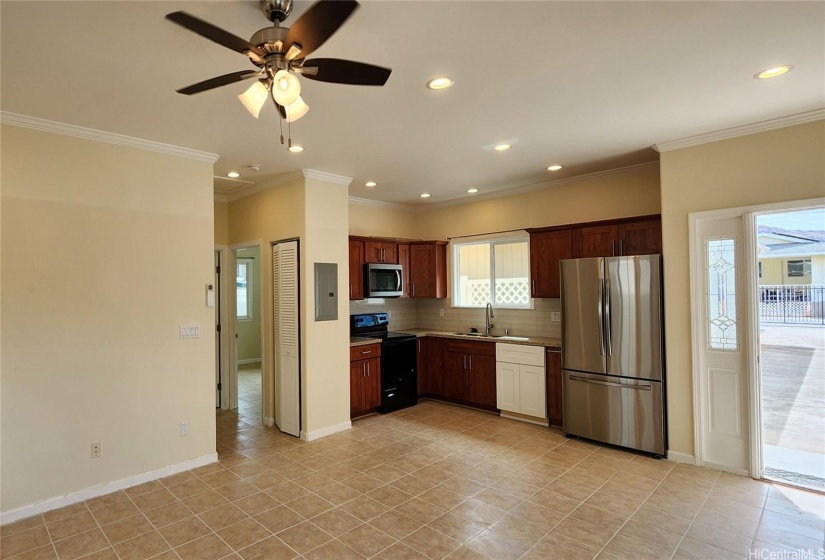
[[554, 387], [520, 379], [356, 269], [421, 344], [469, 373], [380, 252], [436, 348], [546, 250], [364, 379], [428, 269], [619, 238], [404, 261]]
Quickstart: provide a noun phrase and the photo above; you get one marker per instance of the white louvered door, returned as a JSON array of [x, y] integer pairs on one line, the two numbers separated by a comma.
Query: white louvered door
[[285, 337]]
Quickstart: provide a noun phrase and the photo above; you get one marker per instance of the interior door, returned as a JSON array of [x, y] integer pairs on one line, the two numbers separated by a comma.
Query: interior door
[[720, 342], [286, 328], [217, 299]]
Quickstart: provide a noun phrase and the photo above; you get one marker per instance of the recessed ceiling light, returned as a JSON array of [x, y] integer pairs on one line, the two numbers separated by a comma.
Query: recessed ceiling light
[[296, 149], [501, 147], [472, 191], [773, 72], [233, 174], [555, 167], [440, 82], [370, 184], [425, 195]]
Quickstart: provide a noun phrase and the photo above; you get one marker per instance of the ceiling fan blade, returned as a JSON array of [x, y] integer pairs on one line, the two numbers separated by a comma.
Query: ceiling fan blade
[[206, 29], [219, 81], [318, 24], [340, 71]]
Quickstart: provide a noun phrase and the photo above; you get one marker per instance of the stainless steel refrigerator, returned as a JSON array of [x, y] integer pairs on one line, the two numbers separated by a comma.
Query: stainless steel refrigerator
[[612, 351]]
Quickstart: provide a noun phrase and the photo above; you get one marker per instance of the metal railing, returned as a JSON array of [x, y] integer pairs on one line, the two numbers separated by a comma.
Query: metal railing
[[792, 304]]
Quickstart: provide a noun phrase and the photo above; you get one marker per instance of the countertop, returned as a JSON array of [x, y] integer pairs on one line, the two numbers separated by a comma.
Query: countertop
[[545, 341]]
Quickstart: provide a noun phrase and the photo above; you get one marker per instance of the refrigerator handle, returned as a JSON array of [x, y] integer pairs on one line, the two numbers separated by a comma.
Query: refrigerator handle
[[607, 327], [601, 317]]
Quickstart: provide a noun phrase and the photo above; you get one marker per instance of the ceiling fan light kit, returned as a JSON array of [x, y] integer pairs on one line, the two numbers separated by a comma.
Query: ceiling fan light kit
[[280, 53]]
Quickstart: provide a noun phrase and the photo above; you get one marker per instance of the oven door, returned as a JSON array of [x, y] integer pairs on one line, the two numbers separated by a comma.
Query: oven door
[[383, 280]]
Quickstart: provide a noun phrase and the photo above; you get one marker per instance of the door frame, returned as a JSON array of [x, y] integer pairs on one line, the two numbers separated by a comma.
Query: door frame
[[750, 335], [223, 290], [233, 315]]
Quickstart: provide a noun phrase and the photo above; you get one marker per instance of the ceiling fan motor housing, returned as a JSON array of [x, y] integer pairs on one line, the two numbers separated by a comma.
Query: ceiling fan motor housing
[[276, 10], [270, 39]]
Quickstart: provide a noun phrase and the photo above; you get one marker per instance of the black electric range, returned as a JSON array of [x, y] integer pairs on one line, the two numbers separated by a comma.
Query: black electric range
[[399, 379]]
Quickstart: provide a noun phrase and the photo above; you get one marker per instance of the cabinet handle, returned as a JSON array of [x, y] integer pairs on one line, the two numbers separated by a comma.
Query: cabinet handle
[[366, 351], [534, 287], [413, 289], [383, 255], [471, 362]]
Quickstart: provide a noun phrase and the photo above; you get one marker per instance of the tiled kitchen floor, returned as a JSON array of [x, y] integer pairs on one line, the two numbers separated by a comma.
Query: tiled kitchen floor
[[432, 481]]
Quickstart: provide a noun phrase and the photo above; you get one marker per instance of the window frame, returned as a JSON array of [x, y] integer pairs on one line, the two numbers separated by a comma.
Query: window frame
[[806, 268], [246, 262], [492, 240]]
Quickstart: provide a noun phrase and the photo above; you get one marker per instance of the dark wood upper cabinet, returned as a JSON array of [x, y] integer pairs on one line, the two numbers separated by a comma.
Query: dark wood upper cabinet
[[428, 269], [404, 261], [546, 250], [595, 241], [380, 252], [641, 238], [356, 269], [619, 238]]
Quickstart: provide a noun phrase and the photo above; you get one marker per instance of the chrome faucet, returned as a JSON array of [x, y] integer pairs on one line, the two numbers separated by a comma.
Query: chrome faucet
[[488, 314]]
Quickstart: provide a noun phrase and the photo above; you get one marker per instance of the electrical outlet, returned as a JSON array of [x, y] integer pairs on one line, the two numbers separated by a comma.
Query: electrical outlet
[[184, 428], [96, 450], [441, 312], [555, 315]]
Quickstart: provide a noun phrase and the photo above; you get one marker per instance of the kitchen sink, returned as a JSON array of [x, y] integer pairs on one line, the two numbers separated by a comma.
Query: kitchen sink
[[496, 336]]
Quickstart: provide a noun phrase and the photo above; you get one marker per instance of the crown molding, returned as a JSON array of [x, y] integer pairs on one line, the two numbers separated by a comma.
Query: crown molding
[[328, 177], [66, 129], [380, 204], [630, 169], [735, 132], [221, 198], [288, 177]]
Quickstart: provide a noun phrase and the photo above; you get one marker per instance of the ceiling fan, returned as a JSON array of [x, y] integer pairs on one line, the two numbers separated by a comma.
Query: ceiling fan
[[279, 53]]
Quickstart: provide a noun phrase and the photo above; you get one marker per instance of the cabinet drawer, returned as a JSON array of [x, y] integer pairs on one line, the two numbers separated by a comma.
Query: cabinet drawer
[[520, 354], [364, 352], [471, 347]]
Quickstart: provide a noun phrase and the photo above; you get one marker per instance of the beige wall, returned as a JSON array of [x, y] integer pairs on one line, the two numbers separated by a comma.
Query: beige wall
[[382, 222], [221, 223], [271, 215], [776, 166], [775, 271], [99, 270], [249, 331]]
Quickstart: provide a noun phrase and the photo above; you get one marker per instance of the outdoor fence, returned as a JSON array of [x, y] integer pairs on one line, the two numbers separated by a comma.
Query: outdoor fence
[[792, 304], [509, 291]]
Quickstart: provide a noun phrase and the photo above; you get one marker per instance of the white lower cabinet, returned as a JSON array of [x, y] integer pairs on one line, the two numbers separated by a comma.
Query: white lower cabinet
[[520, 379]]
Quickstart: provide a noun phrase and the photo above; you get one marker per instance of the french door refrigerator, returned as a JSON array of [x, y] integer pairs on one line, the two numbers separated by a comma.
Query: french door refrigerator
[[612, 351]]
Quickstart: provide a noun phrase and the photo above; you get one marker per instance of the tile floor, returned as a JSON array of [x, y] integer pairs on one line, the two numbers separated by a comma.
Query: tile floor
[[430, 482]]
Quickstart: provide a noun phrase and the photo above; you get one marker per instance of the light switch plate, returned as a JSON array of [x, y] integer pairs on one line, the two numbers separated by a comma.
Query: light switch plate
[[192, 330]]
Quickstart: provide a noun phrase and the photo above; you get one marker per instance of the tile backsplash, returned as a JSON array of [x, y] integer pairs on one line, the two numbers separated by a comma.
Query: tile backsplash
[[408, 313]]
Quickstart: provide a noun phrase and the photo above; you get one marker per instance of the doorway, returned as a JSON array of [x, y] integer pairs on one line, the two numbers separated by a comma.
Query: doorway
[[790, 249], [247, 331]]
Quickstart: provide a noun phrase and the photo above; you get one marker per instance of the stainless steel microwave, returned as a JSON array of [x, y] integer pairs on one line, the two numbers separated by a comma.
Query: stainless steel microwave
[[383, 280]]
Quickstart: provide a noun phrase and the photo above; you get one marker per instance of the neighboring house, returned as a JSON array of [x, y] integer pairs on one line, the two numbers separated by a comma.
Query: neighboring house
[[789, 260]]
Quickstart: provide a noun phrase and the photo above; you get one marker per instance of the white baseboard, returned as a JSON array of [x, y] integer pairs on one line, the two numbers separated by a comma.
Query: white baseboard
[[249, 361], [732, 470], [328, 431], [268, 421], [681, 457], [101, 489]]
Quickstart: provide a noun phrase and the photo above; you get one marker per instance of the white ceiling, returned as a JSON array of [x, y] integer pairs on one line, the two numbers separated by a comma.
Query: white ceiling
[[591, 85]]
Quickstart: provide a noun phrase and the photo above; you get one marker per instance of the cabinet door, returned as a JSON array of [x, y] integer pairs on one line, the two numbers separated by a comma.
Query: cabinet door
[[507, 395], [372, 383], [595, 241], [546, 250], [531, 385], [554, 384], [404, 261], [421, 364], [372, 251], [356, 270], [455, 375], [356, 386], [390, 253], [422, 270], [435, 366], [482, 379], [641, 238]]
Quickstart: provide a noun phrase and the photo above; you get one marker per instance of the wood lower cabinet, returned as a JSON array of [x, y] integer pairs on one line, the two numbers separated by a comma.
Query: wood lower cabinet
[[546, 250], [421, 345], [364, 379], [436, 349], [482, 380], [554, 387], [380, 252], [468, 372], [428, 269], [356, 269]]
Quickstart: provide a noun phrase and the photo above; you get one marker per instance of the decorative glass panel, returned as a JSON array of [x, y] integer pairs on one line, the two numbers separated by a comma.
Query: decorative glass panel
[[722, 294]]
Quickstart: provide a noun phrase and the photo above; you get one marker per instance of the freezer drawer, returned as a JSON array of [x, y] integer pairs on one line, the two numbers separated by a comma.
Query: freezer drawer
[[626, 412]]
